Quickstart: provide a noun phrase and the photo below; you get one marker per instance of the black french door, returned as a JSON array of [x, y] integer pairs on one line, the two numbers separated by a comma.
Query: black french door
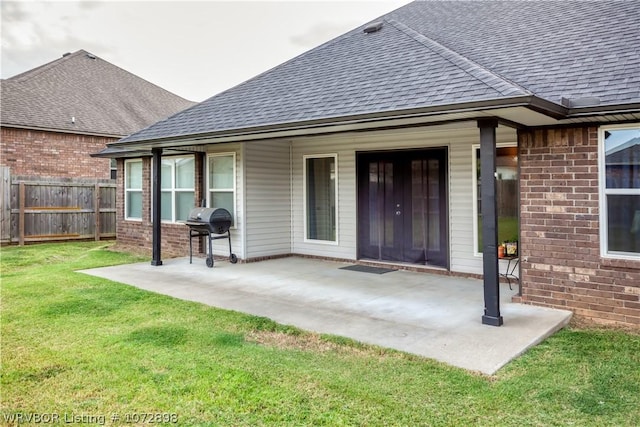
[[402, 206]]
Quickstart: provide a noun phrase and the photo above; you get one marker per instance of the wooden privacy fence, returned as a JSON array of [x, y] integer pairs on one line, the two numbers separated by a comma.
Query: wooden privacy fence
[[39, 210]]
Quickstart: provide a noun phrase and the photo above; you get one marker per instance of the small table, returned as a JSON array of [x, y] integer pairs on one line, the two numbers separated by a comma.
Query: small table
[[511, 268]]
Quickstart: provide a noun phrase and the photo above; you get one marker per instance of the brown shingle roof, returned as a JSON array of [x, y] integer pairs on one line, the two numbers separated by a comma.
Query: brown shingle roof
[[82, 93]]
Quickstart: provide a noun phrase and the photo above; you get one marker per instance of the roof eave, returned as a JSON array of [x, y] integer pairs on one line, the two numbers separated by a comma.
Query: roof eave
[[110, 153], [70, 131], [537, 104], [600, 110]]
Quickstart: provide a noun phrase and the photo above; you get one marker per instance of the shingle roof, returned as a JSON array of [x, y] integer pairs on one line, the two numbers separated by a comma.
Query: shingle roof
[[436, 53], [103, 98]]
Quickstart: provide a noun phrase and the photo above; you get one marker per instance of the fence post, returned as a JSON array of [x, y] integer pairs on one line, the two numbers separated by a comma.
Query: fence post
[[21, 196], [5, 204], [96, 206]]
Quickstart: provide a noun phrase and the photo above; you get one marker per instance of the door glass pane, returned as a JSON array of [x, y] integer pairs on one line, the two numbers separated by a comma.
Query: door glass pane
[[623, 228], [622, 158], [506, 195], [221, 172], [185, 173], [381, 204], [184, 204], [434, 204], [425, 202], [321, 198], [388, 201], [419, 204], [375, 212]]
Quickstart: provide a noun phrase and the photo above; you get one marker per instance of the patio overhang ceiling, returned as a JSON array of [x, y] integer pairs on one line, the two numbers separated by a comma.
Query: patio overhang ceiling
[[517, 112]]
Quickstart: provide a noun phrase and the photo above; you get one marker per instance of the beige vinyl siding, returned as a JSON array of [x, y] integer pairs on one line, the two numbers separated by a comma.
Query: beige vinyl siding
[[221, 246], [458, 138], [267, 198]]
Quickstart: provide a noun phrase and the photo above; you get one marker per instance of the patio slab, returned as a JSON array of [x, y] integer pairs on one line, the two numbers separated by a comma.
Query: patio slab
[[430, 315]]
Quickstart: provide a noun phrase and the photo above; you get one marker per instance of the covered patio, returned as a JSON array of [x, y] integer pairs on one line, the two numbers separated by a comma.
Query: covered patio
[[431, 315]]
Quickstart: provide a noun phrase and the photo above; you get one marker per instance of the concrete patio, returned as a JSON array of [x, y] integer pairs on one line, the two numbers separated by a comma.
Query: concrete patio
[[430, 315]]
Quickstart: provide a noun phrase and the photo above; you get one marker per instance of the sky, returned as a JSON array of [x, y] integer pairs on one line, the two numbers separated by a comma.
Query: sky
[[194, 49]]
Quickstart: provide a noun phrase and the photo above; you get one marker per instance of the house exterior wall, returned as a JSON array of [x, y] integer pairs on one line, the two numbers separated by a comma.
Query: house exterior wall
[[458, 139], [53, 154], [560, 238], [267, 200], [238, 231], [137, 234]]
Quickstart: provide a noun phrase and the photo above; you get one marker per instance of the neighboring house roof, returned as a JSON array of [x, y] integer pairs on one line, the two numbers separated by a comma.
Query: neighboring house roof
[[559, 55], [82, 93], [625, 154]]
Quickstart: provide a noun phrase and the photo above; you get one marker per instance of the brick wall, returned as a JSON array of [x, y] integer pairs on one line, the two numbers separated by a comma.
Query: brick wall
[[138, 234], [53, 154], [560, 240]]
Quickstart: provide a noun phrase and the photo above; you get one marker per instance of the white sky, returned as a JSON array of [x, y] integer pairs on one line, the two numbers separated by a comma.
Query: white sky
[[194, 49]]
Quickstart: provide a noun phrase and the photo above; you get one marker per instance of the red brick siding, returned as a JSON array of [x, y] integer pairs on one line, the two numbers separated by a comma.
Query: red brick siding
[[560, 240], [138, 234], [53, 154]]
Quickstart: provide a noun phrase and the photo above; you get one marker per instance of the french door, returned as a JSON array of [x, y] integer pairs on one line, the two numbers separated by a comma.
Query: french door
[[402, 206]]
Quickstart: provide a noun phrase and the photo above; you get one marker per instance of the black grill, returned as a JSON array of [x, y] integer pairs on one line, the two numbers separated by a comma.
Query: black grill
[[213, 223]]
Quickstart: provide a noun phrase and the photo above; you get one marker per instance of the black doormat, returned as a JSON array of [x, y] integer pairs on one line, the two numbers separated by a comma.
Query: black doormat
[[367, 269]]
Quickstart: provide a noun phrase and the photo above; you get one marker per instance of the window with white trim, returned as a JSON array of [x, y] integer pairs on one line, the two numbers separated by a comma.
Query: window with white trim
[[320, 187], [506, 195], [221, 182], [178, 192], [133, 189], [619, 161], [113, 168]]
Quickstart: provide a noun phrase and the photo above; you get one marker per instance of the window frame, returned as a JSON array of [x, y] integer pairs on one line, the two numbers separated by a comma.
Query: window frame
[[113, 168], [603, 192], [474, 178], [305, 201], [173, 190], [232, 190], [128, 190]]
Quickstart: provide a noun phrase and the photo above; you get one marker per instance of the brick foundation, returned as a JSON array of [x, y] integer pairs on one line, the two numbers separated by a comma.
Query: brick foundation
[[560, 238]]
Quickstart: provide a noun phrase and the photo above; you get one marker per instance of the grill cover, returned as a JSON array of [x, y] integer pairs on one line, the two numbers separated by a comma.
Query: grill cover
[[212, 220]]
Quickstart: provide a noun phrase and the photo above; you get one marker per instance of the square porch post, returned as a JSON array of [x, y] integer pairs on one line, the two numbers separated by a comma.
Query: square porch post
[[156, 195], [489, 222]]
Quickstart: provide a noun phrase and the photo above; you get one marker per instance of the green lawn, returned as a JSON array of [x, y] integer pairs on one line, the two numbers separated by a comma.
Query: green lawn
[[80, 346]]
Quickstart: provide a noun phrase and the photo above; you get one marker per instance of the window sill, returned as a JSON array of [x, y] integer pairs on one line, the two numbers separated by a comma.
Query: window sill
[[620, 263]]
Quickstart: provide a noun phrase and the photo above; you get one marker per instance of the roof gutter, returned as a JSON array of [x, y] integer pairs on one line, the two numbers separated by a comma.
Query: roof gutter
[[322, 125], [599, 110]]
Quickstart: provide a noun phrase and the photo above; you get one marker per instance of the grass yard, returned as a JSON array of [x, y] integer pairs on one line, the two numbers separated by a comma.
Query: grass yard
[[87, 349]]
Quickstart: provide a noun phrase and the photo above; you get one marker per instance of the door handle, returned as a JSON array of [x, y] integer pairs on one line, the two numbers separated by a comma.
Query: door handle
[[398, 213]]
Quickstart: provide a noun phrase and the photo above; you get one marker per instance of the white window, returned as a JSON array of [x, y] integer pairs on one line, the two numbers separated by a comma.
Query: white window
[[506, 195], [133, 189], [320, 188], [221, 182], [113, 169], [619, 163], [178, 192]]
